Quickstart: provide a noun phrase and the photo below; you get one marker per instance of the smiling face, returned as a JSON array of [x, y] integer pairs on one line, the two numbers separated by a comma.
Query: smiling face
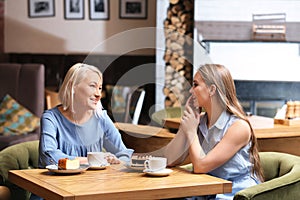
[[88, 92], [200, 92]]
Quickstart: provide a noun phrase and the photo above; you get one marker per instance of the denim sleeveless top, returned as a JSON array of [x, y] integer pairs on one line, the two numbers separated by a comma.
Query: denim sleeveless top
[[238, 168]]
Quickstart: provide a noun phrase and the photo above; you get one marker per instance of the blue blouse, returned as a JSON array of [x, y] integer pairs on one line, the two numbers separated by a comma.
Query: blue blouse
[[238, 168], [61, 138]]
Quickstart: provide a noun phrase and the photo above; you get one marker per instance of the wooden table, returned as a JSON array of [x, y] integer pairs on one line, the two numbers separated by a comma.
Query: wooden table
[[270, 136], [117, 182]]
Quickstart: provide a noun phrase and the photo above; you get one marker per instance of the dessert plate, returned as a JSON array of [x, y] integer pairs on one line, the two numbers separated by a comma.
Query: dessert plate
[[163, 172], [54, 169]]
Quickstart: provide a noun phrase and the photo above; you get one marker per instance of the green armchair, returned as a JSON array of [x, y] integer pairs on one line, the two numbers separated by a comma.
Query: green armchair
[[282, 178], [170, 112], [19, 156]]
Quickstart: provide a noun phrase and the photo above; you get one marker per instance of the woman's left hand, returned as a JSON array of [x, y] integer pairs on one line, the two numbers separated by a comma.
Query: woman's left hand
[[112, 159]]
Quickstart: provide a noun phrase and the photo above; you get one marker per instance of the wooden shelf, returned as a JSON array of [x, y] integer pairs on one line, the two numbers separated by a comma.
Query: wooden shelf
[[288, 122], [234, 31]]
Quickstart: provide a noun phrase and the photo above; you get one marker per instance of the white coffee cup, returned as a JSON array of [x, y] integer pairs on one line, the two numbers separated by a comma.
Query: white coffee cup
[[155, 164], [96, 158]]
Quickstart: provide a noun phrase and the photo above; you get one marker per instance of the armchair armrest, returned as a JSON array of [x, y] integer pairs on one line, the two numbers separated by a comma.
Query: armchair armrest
[[286, 186]]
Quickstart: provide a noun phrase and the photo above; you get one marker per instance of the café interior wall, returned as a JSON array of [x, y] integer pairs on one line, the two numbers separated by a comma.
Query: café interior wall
[[56, 35]]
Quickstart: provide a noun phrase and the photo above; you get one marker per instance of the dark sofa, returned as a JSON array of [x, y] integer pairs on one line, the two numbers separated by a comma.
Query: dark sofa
[[25, 83]]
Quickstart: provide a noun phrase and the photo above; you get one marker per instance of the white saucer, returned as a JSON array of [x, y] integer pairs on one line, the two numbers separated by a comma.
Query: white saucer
[[134, 167], [98, 166], [163, 172]]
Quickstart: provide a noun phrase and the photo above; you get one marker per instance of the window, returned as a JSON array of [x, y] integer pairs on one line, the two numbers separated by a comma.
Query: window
[[232, 19], [247, 60], [258, 60], [242, 10]]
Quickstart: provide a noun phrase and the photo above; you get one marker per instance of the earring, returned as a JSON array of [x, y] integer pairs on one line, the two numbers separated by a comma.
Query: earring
[[212, 90]]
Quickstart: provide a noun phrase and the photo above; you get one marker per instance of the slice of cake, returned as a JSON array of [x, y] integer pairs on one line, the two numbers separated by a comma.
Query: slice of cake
[[139, 160], [65, 163]]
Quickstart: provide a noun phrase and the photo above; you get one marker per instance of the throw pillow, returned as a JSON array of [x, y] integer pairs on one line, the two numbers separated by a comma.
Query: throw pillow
[[15, 119]]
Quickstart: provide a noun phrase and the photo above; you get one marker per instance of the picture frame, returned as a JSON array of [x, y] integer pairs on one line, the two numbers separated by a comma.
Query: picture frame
[[133, 9], [99, 9], [74, 9], [41, 8]]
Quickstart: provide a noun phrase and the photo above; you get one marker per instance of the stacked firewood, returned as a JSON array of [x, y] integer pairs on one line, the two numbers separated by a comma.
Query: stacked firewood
[[178, 56]]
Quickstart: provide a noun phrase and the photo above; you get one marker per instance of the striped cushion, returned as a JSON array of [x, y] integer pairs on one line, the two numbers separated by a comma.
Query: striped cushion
[[16, 119]]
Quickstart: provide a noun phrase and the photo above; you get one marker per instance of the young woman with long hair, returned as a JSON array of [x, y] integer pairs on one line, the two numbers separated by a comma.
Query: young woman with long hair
[[220, 141]]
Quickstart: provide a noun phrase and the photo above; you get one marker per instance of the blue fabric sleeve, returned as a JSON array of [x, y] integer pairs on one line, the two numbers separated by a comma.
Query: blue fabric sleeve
[[112, 140], [49, 152]]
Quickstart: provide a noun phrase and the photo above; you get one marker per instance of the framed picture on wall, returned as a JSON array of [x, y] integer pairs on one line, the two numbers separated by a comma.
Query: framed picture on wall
[[133, 9], [41, 8], [74, 9], [99, 9]]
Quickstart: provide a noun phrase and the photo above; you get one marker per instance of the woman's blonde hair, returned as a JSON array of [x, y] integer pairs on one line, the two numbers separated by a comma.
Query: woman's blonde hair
[[219, 75], [73, 77]]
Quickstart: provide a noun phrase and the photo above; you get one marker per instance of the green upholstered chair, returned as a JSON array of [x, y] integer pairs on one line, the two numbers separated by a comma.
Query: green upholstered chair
[[282, 178], [19, 156], [170, 112], [124, 103]]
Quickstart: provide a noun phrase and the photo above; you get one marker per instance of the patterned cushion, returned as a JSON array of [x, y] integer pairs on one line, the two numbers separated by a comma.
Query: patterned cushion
[[16, 119], [118, 96]]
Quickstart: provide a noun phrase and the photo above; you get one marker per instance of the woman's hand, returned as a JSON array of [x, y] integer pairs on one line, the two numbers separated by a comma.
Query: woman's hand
[[193, 104], [191, 117], [83, 160], [111, 159], [190, 120]]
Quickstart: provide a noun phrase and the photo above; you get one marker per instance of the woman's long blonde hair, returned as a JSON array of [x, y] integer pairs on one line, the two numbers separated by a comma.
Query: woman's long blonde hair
[[220, 76], [73, 77]]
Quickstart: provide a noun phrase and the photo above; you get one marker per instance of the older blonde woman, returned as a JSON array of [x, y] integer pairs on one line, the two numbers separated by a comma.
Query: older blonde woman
[[79, 125]]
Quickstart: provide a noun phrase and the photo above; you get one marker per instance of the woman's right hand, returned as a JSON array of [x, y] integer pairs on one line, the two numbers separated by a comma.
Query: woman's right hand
[[192, 102], [191, 117]]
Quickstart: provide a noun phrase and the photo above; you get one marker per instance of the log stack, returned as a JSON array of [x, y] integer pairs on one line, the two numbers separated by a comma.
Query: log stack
[[178, 56]]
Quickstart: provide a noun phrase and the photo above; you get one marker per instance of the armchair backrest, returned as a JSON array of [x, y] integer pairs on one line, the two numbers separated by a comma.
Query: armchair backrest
[[16, 157], [134, 106], [25, 83], [277, 164], [282, 178], [125, 103]]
